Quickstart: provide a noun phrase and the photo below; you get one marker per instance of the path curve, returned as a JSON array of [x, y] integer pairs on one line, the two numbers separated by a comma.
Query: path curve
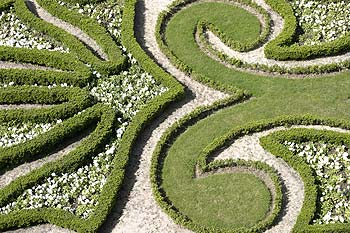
[[257, 56], [248, 148], [75, 31], [141, 212]]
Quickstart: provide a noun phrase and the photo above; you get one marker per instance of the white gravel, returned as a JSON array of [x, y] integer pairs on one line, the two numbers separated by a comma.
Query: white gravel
[[21, 170], [140, 212], [248, 148], [13, 65], [23, 106]]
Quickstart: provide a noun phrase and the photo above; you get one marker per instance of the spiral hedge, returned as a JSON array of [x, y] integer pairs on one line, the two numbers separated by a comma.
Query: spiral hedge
[[58, 88]]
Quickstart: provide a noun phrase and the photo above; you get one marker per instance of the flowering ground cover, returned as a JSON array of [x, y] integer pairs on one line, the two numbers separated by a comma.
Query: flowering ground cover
[[76, 189], [274, 99], [19, 133], [331, 165], [116, 97], [321, 21], [15, 33]]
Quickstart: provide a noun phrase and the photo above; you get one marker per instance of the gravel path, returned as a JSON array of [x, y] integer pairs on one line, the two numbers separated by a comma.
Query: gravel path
[[24, 169], [75, 31], [137, 211], [45, 228], [23, 106], [248, 148], [13, 65], [141, 213], [257, 56]]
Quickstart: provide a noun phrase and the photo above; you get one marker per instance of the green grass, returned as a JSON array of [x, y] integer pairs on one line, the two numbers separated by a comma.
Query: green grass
[[245, 196], [326, 96], [227, 18]]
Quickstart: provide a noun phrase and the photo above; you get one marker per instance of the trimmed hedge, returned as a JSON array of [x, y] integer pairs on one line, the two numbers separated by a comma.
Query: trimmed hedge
[[160, 29], [51, 59], [116, 61], [275, 69], [165, 142], [274, 143], [75, 45], [44, 78], [202, 26], [270, 143], [65, 68], [82, 1], [236, 45], [5, 4], [44, 143], [105, 118], [70, 101], [283, 46], [94, 143]]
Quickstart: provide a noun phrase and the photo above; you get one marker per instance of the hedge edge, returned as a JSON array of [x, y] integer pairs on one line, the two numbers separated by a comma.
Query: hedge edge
[[274, 144], [224, 141], [282, 47]]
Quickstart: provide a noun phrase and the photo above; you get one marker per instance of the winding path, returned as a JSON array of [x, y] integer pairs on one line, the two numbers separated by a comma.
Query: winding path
[[23, 106], [23, 169], [140, 212]]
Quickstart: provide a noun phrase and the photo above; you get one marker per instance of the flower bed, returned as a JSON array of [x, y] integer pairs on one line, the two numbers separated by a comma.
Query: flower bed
[[15, 134], [128, 91], [108, 14], [321, 21], [77, 184], [15, 33], [331, 164]]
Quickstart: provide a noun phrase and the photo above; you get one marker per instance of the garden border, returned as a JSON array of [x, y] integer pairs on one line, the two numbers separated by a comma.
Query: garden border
[[109, 194]]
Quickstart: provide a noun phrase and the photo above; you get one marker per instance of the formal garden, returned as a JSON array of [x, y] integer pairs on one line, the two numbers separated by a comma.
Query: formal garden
[[174, 116]]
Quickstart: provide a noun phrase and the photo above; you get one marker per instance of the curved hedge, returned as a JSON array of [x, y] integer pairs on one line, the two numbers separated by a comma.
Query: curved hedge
[[274, 143], [78, 99], [115, 62], [106, 120], [66, 102], [204, 166], [283, 47], [237, 45]]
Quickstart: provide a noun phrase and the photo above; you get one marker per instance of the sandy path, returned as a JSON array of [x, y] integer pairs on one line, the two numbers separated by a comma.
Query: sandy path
[[23, 106], [13, 65], [141, 212], [23, 169], [137, 211]]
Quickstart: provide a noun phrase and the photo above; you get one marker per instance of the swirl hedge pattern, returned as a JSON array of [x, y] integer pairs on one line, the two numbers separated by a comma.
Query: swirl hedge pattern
[[174, 116]]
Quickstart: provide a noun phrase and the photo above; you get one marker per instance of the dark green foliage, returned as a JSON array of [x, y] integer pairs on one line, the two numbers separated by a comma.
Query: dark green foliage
[[274, 143], [283, 47], [70, 101]]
